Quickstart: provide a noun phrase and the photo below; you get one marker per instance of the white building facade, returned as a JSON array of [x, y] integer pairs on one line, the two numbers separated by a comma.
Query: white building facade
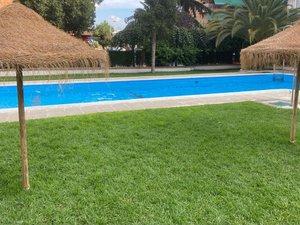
[[294, 3]]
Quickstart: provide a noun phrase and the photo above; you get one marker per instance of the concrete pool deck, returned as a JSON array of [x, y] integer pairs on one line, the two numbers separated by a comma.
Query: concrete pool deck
[[126, 70], [271, 97]]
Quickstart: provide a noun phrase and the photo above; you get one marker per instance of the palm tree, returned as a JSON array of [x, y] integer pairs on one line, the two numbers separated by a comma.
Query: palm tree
[[253, 21], [156, 18], [195, 6]]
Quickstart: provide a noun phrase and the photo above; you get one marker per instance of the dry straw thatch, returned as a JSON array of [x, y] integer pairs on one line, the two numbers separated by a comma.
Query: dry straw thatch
[[5, 2], [28, 41], [282, 48]]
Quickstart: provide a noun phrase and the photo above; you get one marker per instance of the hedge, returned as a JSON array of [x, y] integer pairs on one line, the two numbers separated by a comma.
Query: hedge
[[125, 58]]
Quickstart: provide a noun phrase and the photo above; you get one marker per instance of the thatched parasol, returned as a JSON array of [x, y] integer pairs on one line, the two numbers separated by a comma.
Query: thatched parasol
[[282, 48], [28, 41]]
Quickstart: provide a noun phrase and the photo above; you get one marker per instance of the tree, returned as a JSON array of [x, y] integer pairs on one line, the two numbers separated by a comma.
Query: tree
[[75, 16], [132, 35], [186, 20], [195, 6], [104, 33], [98, 1], [182, 47], [79, 15], [47, 9], [156, 18], [253, 21], [54, 13]]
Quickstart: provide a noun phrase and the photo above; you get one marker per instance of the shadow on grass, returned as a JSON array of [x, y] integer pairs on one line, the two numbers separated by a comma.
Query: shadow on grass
[[10, 181]]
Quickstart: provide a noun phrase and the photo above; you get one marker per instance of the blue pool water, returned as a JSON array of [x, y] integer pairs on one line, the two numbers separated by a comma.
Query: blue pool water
[[57, 94]]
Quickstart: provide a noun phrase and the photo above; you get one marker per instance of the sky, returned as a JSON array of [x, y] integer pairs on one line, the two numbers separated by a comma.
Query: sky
[[115, 12]]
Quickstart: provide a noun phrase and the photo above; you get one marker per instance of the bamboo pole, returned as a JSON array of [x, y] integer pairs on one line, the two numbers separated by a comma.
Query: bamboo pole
[[293, 87], [295, 106], [23, 135]]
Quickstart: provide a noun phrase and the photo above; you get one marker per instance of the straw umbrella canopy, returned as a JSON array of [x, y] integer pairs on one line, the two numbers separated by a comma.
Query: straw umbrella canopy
[[282, 48], [27, 41]]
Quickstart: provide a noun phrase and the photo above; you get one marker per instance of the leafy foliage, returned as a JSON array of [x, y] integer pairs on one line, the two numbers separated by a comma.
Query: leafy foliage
[[132, 35], [74, 16], [79, 15], [186, 20], [103, 33], [121, 58], [179, 45], [50, 10], [156, 18], [194, 7], [182, 47], [182, 37], [253, 21], [167, 54]]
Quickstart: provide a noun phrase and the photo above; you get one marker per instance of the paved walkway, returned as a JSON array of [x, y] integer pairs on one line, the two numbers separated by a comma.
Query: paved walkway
[[272, 97], [119, 70]]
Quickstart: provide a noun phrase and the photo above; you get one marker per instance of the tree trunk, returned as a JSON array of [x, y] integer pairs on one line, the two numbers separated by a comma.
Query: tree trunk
[[143, 58], [23, 135], [295, 106], [133, 56], [153, 52]]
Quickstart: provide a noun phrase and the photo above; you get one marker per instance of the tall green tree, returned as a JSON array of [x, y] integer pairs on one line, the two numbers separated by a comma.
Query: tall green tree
[[73, 16], [54, 13], [156, 18], [253, 21], [50, 10], [104, 33], [132, 35], [79, 15]]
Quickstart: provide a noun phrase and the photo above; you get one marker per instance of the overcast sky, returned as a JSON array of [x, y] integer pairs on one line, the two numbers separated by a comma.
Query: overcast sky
[[115, 11]]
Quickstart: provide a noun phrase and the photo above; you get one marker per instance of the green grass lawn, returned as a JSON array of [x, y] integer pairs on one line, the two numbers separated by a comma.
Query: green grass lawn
[[220, 164], [116, 75]]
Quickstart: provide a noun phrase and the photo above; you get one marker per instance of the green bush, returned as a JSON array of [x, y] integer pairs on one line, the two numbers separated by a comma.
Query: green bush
[[125, 59], [186, 56], [165, 54], [168, 55], [118, 58]]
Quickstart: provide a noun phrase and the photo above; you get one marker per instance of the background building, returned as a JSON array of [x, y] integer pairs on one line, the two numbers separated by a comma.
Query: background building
[[215, 6], [294, 3], [220, 3]]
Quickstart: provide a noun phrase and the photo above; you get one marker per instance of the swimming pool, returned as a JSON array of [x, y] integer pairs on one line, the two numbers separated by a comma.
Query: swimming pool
[[87, 92]]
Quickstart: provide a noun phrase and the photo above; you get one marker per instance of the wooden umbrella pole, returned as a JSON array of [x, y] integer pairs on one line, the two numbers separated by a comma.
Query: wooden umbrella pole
[[293, 89], [23, 135], [295, 106]]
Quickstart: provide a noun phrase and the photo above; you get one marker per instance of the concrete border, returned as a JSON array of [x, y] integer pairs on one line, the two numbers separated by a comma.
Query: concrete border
[[53, 72]]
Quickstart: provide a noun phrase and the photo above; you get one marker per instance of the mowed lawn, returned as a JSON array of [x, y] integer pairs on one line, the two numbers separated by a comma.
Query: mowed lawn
[[220, 164]]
